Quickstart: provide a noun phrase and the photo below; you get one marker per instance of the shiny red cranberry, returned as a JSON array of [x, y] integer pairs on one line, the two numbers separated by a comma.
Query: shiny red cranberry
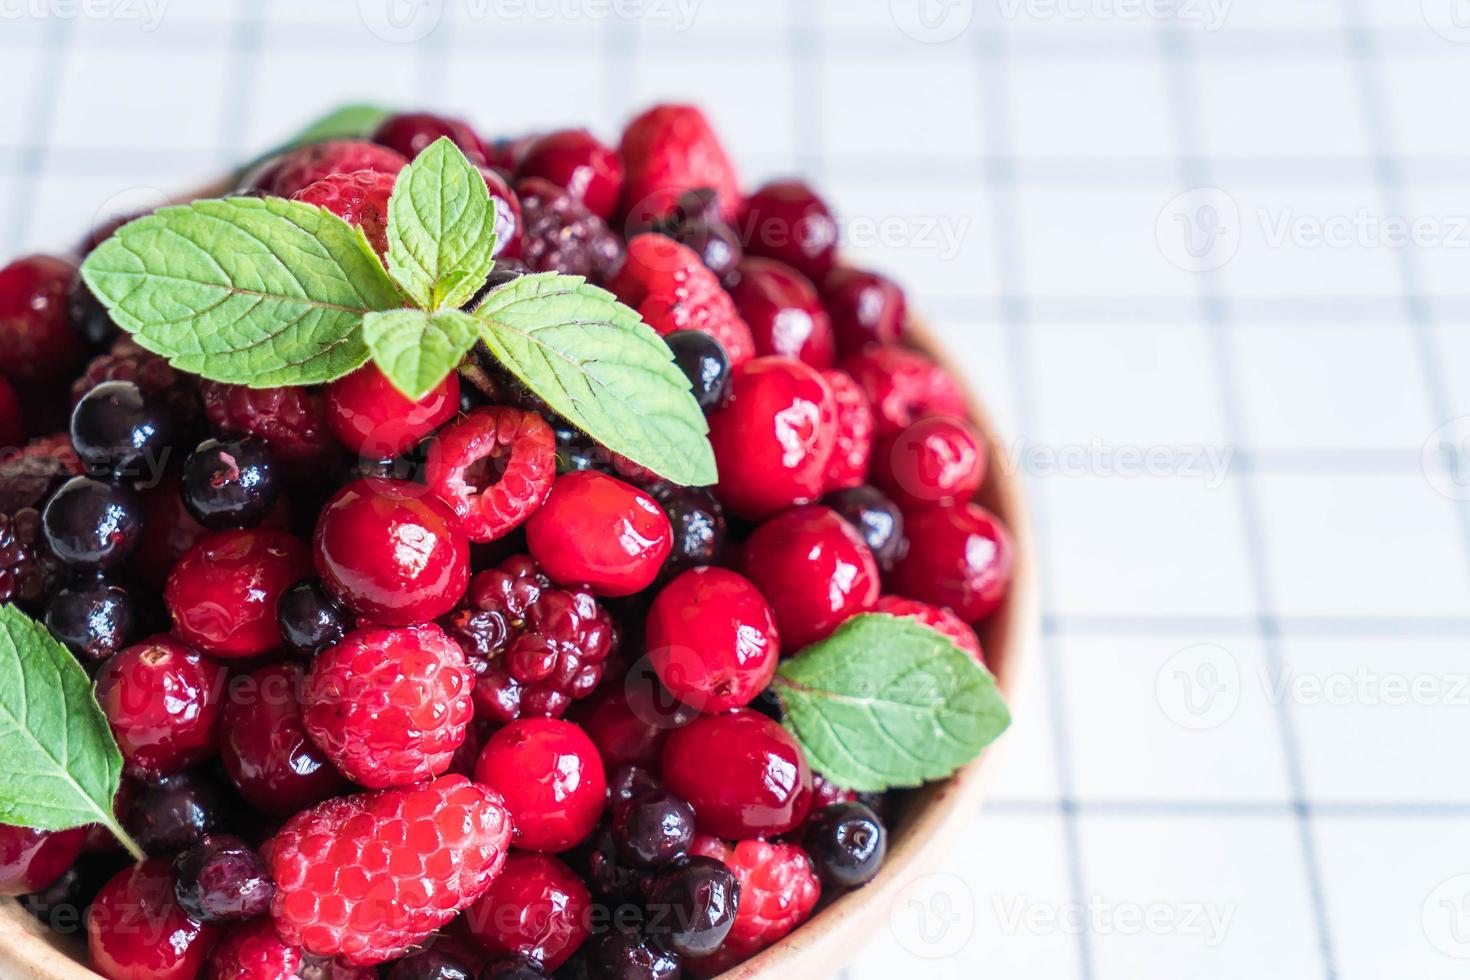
[[264, 746], [786, 220], [629, 721], [579, 162], [815, 569], [773, 440], [223, 593], [783, 312], [867, 309], [508, 220], [410, 133], [940, 460], [36, 335], [536, 907], [961, 557], [712, 639], [31, 860], [904, 386], [162, 701], [137, 931], [743, 773], [391, 552], [552, 779], [373, 419], [595, 530]]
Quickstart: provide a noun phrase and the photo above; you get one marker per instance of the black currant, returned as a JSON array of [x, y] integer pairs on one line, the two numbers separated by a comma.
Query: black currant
[[705, 363], [93, 525], [309, 619], [876, 518], [653, 828], [117, 430], [847, 843], [94, 619], [230, 484], [692, 905]]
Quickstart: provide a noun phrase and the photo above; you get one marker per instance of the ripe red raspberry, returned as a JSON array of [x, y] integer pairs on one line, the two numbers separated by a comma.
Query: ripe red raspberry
[[595, 530], [389, 707], [31, 860], [712, 639], [28, 474], [126, 361], [867, 309], [369, 876], [743, 773], [787, 221], [670, 287], [961, 557], [576, 160], [562, 235], [162, 701], [290, 420], [303, 167], [35, 331], [904, 386], [778, 890], [852, 447], [937, 461], [264, 746], [551, 778], [783, 312], [815, 569], [137, 931], [537, 907], [668, 150], [937, 618], [374, 419], [493, 467], [535, 649], [223, 593], [359, 198], [411, 133], [253, 951]]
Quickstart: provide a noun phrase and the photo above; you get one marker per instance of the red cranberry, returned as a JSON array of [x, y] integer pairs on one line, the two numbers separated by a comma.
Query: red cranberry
[[712, 639], [552, 779], [960, 557], [629, 722], [264, 746], [786, 220], [373, 419], [536, 907], [773, 440], [783, 312], [508, 221], [574, 159], [137, 931], [391, 552], [31, 860], [35, 331], [940, 460], [410, 133], [743, 773], [162, 701], [172, 531], [815, 569], [595, 530], [903, 387], [867, 309], [223, 593]]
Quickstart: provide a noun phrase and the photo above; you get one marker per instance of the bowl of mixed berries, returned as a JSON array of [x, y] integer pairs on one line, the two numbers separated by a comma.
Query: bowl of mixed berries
[[434, 558]]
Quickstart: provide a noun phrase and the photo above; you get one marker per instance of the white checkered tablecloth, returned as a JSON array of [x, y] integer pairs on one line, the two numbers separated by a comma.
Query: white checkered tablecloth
[[1242, 412]]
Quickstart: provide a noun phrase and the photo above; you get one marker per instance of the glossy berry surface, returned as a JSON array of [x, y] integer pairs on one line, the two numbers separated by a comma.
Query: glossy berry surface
[[290, 420], [35, 332], [937, 461], [373, 419], [389, 706], [743, 773], [961, 557], [301, 168], [429, 964], [552, 780], [580, 163], [629, 722], [560, 234], [672, 289], [692, 905], [936, 618], [222, 879], [230, 484], [781, 307], [94, 619], [411, 133], [137, 931], [509, 222], [712, 639], [493, 467], [265, 749], [366, 877], [877, 520], [786, 220], [223, 593], [852, 446], [698, 523], [92, 525], [630, 956], [391, 552], [309, 619], [903, 386], [652, 828], [668, 150], [778, 891], [253, 951], [31, 860], [696, 222], [867, 309], [537, 908], [512, 968], [598, 531], [705, 363], [847, 843], [814, 569], [174, 812], [116, 429], [162, 701], [12, 426], [359, 198]]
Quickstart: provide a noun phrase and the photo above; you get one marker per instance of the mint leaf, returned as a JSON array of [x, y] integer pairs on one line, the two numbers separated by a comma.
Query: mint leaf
[[257, 291], [599, 365], [886, 702], [354, 121], [441, 228], [417, 349], [62, 766]]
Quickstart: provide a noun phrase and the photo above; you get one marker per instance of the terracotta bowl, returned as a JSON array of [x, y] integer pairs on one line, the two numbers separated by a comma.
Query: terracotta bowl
[[920, 838]]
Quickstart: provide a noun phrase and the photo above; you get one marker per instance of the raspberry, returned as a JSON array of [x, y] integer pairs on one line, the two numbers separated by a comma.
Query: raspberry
[[253, 951], [535, 649], [359, 198], [672, 290], [389, 707], [668, 150], [29, 570], [375, 420], [937, 461], [853, 447], [778, 890], [904, 386], [562, 235], [494, 467], [783, 312], [937, 618], [136, 929], [290, 420], [35, 331], [786, 220], [28, 475], [369, 876], [576, 160], [176, 391], [598, 531], [303, 167]]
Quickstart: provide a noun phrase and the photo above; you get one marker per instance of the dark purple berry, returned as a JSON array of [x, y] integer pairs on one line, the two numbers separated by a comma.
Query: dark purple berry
[[89, 317], [692, 905], [705, 363], [607, 874], [94, 619], [653, 828], [429, 964], [698, 521], [28, 569], [309, 619], [847, 843], [513, 968], [116, 429], [222, 879], [629, 956], [174, 813], [876, 518], [230, 484], [627, 782], [93, 525], [695, 222]]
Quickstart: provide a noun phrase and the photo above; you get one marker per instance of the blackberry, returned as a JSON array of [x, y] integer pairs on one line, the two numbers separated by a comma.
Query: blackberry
[[27, 477], [535, 649], [561, 235], [29, 571], [175, 391]]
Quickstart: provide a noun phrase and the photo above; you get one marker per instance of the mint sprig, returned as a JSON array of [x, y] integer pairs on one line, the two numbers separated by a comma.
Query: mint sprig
[[885, 702], [266, 292], [62, 766]]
